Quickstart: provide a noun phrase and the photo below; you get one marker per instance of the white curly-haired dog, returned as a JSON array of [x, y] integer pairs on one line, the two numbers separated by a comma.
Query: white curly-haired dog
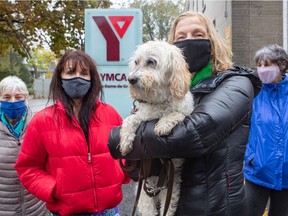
[[159, 79]]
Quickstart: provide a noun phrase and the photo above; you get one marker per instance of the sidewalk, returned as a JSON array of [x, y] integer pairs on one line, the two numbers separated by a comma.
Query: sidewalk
[[37, 104]]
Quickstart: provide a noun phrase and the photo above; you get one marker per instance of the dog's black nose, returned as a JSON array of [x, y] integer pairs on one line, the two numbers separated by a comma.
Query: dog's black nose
[[132, 80]]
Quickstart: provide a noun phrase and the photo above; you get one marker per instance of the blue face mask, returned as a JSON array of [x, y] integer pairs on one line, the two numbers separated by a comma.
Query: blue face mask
[[13, 110]]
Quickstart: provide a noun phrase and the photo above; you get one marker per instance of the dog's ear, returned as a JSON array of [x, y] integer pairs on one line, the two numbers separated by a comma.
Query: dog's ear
[[181, 77]]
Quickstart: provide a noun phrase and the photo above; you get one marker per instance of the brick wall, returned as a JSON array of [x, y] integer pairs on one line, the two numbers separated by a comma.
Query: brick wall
[[254, 25]]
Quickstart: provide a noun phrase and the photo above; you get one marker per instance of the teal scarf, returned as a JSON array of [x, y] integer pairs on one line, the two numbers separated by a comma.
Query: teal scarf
[[202, 74], [16, 129]]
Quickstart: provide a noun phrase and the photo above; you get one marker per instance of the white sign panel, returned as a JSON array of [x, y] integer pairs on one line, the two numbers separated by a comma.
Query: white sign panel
[[111, 36]]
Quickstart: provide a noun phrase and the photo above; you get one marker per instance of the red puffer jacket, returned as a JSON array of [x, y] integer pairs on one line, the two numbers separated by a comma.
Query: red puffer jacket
[[58, 166]]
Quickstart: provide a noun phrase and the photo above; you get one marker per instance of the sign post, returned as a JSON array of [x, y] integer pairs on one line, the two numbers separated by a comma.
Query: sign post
[[111, 36]]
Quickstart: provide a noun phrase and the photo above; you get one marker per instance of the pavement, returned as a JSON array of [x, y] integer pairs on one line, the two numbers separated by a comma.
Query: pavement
[[37, 104], [127, 203]]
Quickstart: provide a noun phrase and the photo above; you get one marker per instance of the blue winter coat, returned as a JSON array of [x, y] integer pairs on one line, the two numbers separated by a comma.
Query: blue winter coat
[[266, 157]]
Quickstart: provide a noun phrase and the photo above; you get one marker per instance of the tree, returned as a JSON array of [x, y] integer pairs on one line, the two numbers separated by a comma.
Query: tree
[[12, 65], [158, 16], [40, 59], [58, 24]]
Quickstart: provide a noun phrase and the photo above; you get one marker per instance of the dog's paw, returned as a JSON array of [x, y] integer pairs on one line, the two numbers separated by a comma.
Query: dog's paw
[[162, 130], [125, 148]]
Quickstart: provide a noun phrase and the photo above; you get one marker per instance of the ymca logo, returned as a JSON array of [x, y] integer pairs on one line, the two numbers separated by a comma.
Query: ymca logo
[[120, 25]]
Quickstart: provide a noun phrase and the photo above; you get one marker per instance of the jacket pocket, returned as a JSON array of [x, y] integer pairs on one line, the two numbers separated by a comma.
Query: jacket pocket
[[58, 189]]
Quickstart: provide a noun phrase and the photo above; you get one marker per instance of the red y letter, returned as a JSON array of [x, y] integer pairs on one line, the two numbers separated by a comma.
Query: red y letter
[[113, 48]]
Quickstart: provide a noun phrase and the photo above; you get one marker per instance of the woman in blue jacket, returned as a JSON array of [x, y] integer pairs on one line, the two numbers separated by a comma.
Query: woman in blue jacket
[[266, 157]]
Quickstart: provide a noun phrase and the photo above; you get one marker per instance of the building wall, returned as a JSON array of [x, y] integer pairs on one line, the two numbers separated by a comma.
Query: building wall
[[254, 25], [246, 25], [41, 88], [219, 12]]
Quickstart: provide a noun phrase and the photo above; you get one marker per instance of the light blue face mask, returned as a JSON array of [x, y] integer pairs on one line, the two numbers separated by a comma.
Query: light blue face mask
[[76, 87], [13, 110]]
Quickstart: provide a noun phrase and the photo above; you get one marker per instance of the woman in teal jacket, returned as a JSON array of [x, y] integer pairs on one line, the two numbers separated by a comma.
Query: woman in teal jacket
[[266, 157]]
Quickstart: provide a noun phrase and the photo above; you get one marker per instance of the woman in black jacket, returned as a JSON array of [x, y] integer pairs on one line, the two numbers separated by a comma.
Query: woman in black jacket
[[213, 139]]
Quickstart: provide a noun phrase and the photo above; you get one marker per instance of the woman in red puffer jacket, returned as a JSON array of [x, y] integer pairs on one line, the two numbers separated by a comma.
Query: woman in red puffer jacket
[[64, 159]]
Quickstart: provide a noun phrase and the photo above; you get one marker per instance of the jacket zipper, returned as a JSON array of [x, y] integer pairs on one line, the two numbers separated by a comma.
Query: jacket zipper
[[92, 174], [89, 158], [22, 198]]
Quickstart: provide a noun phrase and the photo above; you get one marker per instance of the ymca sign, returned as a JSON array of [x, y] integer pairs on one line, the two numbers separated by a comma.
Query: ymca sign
[[111, 37]]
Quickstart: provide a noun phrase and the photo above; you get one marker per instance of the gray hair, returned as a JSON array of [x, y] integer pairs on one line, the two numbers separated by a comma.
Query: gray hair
[[274, 54], [12, 84]]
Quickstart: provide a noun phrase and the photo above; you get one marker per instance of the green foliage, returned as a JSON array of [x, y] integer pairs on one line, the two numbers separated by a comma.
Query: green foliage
[[40, 59], [158, 16], [25, 75], [4, 72], [58, 24], [12, 65]]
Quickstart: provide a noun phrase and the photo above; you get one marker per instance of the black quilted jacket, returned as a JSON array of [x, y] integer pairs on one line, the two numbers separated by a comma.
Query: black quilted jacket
[[213, 141]]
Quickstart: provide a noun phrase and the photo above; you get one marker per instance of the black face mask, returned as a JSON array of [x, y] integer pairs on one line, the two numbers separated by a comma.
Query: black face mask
[[197, 53], [76, 87]]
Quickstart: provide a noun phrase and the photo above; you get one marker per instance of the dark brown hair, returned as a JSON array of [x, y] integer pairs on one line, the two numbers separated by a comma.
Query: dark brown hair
[[56, 91]]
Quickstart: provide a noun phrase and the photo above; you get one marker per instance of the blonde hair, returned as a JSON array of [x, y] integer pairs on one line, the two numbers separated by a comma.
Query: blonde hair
[[12, 84], [220, 52]]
